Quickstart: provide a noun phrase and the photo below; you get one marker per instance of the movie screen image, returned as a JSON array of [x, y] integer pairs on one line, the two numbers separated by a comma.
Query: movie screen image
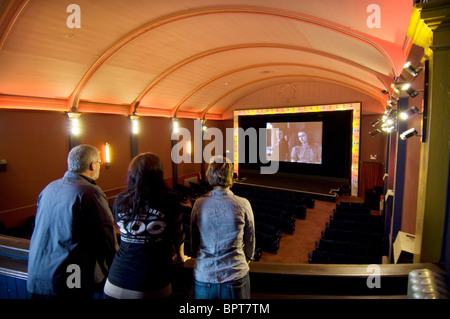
[[298, 142]]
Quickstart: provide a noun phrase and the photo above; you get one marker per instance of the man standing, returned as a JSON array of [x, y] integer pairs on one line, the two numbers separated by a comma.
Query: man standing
[[74, 241]]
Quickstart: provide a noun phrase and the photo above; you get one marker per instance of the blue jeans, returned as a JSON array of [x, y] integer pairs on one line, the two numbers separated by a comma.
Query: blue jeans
[[237, 289]]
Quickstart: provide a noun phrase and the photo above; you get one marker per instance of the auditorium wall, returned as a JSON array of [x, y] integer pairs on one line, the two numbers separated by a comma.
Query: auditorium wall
[[35, 145]]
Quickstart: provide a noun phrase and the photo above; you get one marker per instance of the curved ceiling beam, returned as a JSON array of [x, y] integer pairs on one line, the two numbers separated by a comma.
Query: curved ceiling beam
[[249, 67], [74, 98], [276, 77], [9, 17], [135, 103]]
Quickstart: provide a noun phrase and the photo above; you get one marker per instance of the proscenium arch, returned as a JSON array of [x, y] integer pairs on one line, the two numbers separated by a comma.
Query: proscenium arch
[[135, 103], [74, 97], [249, 67]]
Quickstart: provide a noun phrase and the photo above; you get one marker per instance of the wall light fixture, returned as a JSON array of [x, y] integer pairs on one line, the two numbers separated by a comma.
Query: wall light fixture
[[134, 121], [107, 155], [74, 120], [174, 125]]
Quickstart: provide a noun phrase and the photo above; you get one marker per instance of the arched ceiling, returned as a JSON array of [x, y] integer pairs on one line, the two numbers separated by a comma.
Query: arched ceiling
[[194, 58]]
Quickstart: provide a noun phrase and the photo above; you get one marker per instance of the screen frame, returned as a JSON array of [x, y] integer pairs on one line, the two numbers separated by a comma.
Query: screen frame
[[356, 123]]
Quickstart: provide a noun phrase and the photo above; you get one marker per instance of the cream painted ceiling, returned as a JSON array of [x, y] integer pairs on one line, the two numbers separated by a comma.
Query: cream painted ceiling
[[194, 58]]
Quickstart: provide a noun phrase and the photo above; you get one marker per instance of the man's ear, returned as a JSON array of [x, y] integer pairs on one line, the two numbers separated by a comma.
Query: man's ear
[[91, 166]]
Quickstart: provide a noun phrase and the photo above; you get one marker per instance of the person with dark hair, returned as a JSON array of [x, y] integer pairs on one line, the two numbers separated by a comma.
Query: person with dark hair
[[306, 152], [151, 232], [222, 237], [74, 241]]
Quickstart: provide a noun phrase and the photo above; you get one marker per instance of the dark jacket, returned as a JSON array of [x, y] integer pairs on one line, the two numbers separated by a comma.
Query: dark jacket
[[74, 227]]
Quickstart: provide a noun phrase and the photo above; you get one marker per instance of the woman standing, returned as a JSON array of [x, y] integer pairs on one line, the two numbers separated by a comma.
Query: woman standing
[[149, 218], [223, 236]]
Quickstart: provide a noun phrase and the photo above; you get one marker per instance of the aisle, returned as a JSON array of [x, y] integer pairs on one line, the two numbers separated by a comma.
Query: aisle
[[295, 248]]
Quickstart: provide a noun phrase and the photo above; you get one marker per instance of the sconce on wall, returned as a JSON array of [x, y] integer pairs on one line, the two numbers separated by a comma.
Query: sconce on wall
[[134, 121], [74, 120], [74, 128], [107, 155], [134, 129], [174, 125], [189, 147]]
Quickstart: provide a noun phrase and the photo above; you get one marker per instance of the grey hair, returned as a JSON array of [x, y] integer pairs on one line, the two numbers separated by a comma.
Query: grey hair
[[81, 156], [220, 172]]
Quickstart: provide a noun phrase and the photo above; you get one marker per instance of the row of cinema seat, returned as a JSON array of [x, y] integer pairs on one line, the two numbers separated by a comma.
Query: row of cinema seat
[[353, 236], [188, 195], [186, 216], [275, 213]]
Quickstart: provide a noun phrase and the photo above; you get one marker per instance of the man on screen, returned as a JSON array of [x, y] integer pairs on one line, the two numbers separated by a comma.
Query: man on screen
[[306, 153], [280, 149]]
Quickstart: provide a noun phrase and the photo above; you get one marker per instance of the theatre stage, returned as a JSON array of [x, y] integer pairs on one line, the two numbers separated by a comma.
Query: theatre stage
[[317, 187]]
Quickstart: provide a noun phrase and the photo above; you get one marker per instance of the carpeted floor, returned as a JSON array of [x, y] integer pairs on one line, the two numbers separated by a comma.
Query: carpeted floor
[[295, 248]]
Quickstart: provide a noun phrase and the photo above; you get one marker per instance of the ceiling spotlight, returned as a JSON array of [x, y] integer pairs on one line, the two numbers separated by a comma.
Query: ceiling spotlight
[[389, 115], [411, 69], [375, 132], [395, 87], [375, 123], [409, 133], [412, 110], [390, 103], [406, 87], [388, 110], [410, 90], [390, 121], [388, 128]]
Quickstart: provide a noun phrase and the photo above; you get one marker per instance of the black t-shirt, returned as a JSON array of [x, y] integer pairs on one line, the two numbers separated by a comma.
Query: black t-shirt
[[143, 261]]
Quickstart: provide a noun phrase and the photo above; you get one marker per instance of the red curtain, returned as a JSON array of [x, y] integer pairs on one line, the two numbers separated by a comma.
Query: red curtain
[[371, 176]]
